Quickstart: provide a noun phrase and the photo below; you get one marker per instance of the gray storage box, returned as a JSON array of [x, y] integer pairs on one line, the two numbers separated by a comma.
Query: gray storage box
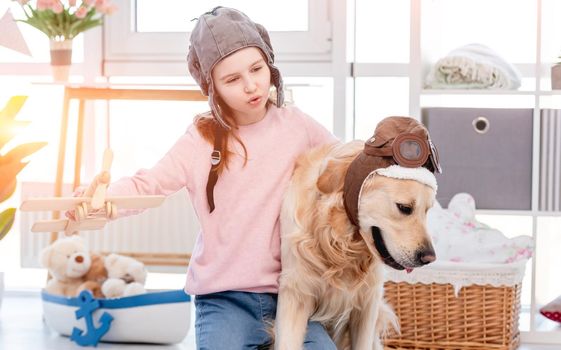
[[486, 152]]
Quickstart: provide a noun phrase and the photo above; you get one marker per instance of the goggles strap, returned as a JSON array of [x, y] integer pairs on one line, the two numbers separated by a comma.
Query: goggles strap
[[215, 159]]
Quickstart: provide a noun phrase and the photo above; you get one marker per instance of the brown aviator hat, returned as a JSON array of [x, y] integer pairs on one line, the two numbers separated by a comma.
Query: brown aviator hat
[[219, 33], [400, 148]]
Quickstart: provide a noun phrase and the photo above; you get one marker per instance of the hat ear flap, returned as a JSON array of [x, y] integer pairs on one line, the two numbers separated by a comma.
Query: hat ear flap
[[265, 36]]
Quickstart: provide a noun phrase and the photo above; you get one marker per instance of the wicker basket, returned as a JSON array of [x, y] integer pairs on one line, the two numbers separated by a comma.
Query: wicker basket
[[433, 317]]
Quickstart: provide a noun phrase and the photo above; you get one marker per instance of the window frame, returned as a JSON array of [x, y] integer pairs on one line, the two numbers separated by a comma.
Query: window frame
[[123, 43]]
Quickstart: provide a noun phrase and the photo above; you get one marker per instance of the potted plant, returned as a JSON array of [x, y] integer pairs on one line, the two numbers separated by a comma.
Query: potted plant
[[62, 22], [556, 75], [11, 163]]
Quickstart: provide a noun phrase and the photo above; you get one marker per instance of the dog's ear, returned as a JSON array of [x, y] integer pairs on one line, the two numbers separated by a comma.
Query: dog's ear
[[332, 178]]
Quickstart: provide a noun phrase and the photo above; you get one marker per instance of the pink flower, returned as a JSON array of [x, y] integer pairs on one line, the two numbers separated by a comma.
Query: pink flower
[[81, 12], [72, 2], [43, 4], [90, 3], [57, 7], [99, 4]]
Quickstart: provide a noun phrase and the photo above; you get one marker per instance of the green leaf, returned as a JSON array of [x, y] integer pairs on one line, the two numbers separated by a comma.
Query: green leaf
[[6, 221], [64, 24]]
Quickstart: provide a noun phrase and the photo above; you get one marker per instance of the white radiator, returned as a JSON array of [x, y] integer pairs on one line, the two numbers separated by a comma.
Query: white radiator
[[166, 231], [550, 160]]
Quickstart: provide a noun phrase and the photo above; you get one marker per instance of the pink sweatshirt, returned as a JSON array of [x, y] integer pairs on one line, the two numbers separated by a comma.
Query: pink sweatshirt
[[238, 247]]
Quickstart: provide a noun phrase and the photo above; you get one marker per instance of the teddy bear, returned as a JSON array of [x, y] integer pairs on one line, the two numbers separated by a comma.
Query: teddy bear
[[67, 261], [94, 278], [126, 276]]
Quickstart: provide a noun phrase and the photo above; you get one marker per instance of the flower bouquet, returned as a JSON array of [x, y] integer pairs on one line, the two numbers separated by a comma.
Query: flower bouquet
[[63, 21]]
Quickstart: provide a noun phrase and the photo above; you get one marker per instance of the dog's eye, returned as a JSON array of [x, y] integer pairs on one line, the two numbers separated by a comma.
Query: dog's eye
[[405, 209]]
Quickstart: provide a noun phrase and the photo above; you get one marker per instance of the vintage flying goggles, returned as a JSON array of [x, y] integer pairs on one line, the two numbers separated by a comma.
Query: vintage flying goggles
[[409, 150]]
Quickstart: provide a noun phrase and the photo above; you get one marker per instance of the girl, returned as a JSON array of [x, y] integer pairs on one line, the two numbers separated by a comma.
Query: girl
[[236, 162]]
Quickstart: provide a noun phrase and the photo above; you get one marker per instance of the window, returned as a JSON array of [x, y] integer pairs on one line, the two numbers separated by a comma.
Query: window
[[152, 17], [156, 33], [381, 25]]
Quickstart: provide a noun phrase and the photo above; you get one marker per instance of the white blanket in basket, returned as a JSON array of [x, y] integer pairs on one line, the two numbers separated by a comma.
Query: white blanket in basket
[[458, 236]]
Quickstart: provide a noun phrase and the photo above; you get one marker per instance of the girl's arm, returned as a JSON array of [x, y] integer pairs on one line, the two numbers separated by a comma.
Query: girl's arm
[[166, 177], [169, 175]]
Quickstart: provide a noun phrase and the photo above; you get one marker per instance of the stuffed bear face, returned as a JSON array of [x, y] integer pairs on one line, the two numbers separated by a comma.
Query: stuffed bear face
[[125, 268], [66, 258]]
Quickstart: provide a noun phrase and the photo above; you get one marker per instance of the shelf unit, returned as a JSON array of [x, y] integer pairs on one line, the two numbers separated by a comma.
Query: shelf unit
[[534, 95]]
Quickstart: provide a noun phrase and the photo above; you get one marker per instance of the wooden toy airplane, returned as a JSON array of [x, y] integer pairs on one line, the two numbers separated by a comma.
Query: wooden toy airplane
[[91, 211]]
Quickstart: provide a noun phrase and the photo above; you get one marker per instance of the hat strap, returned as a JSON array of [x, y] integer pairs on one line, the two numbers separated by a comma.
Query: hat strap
[[215, 159]]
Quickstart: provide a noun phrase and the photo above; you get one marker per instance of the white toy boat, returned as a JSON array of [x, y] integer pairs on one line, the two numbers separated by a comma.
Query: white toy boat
[[154, 317]]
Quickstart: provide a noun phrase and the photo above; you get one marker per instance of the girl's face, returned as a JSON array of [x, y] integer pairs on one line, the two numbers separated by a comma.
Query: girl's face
[[242, 80]]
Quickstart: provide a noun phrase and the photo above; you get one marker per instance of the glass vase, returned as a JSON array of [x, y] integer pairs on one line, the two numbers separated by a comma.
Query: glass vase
[[61, 59]]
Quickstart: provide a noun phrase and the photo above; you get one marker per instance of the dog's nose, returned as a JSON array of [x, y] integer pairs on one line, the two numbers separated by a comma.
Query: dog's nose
[[426, 256], [427, 259], [79, 259]]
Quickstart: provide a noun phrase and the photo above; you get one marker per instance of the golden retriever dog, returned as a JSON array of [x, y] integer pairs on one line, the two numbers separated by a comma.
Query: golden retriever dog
[[332, 271]]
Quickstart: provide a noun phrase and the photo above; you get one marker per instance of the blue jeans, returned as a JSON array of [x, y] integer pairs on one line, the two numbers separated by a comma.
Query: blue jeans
[[241, 320]]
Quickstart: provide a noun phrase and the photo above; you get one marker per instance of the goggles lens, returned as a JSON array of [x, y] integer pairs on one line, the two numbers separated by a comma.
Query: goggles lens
[[410, 150]]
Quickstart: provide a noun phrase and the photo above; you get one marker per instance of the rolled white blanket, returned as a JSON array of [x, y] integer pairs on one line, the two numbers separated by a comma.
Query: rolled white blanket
[[473, 66], [458, 236]]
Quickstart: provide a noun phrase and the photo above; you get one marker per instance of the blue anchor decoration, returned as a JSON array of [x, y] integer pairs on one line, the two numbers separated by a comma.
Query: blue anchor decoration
[[93, 335]]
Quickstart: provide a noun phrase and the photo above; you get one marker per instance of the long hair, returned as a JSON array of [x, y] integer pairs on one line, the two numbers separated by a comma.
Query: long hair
[[206, 124]]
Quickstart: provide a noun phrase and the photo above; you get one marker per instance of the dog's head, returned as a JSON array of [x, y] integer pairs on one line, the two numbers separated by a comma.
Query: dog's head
[[391, 214], [387, 189], [392, 221]]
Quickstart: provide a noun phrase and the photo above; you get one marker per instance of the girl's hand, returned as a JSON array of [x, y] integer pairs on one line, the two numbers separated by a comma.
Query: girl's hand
[[102, 178]]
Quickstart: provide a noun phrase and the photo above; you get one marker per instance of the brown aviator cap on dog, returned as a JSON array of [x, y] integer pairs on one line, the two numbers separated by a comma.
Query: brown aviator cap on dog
[[400, 148]]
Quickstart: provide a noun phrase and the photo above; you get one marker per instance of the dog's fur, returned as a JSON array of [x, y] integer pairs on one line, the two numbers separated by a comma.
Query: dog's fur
[[332, 273]]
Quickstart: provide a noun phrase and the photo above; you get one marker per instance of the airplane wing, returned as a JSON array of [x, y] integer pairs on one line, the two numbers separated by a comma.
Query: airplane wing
[[136, 202], [69, 203], [60, 225], [52, 203]]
